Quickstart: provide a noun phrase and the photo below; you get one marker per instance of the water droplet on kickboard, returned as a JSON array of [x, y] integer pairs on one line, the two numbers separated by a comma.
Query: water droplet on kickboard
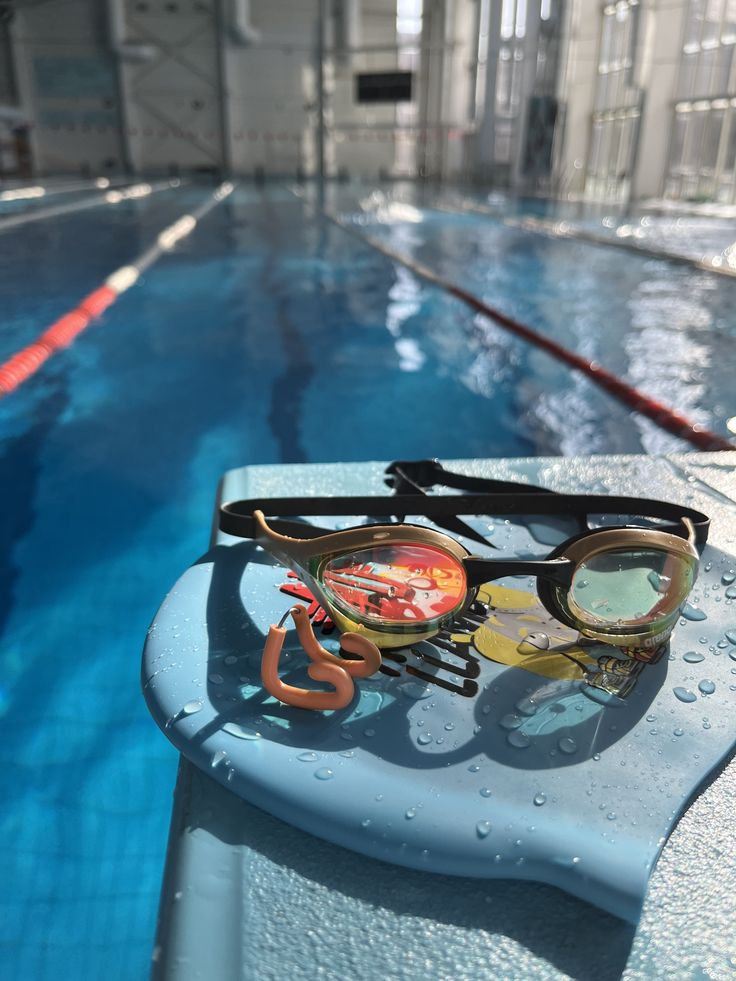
[[685, 695], [533, 643], [692, 613], [519, 740], [693, 657], [511, 721], [527, 706], [240, 732], [415, 690]]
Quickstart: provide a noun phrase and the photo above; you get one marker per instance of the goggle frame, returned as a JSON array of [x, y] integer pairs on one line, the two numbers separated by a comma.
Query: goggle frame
[[554, 574]]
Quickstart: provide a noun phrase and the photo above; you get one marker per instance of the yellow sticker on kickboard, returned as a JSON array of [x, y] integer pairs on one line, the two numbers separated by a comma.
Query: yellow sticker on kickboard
[[516, 615]]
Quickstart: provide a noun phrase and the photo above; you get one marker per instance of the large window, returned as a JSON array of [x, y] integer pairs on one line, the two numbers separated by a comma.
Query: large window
[[509, 78], [617, 107], [702, 158], [516, 81], [408, 35]]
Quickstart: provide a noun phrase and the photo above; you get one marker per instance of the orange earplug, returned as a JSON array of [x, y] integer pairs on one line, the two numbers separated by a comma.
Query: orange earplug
[[326, 667]]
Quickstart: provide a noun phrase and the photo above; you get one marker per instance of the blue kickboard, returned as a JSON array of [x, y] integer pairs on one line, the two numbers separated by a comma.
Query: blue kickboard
[[491, 755]]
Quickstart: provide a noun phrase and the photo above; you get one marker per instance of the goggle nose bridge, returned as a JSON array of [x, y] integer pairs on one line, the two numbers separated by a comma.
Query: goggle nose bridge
[[479, 570]]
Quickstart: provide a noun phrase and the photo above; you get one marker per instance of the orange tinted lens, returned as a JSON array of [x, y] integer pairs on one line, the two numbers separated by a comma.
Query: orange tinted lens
[[396, 583]]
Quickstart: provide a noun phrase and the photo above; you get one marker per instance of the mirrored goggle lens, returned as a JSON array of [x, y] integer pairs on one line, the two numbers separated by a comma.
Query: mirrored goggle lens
[[395, 584], [630, 587]]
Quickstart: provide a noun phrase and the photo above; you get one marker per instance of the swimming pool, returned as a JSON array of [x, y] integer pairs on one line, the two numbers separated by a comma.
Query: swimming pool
[[266, 337]]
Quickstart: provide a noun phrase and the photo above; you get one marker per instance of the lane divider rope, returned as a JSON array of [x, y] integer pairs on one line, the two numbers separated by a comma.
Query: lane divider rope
[[625, 241], [26, 362], [114, 196], [27, 192], [664, 416], [562, 229]]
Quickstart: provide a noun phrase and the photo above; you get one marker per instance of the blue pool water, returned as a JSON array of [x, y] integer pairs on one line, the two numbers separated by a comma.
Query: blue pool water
[[267, 336]]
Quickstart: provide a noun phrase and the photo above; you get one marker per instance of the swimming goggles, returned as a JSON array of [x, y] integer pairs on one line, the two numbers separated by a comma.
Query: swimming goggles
[[400, 583]]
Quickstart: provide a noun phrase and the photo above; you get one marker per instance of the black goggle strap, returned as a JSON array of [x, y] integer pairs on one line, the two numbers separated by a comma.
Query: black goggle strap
[[416, 476], [236, 517], [403, 484], [413, 476]]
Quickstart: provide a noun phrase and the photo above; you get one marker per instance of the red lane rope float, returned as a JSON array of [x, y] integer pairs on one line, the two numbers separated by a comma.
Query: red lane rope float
[[26, 362], [664, 416], [60, 334]]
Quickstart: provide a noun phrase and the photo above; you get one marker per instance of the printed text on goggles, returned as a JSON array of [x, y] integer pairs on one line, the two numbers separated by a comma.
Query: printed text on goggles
[[402, 583]]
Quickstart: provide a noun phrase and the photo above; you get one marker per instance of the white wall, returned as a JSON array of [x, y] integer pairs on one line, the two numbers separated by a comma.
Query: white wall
[[364, 134], [67, 84], [270, 88], [172, 113], [172, 100], [69, 81]]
